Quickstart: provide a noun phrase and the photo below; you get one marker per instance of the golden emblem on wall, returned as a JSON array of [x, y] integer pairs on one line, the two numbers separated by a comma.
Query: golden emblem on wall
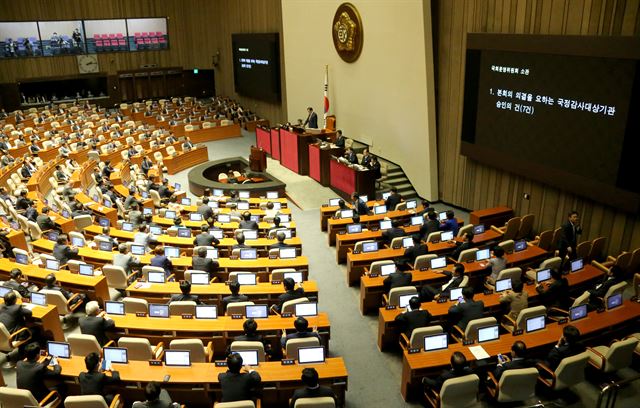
[[347, 32]]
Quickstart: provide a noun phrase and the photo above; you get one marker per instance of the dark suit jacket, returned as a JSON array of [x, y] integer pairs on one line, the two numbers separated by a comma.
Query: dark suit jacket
[[436, 383], [31, 376], [411, 253], [24, 292], [361, 207], [93, 383], [205, 239], [251, 225], [98, 326], [352, 158], [187, 298], [454, 285], [556, 295], [204, 264], [206, 211], [396, 280], [463, 313], [238, 387], [307, 392], [567, 236], [459, 248], [45, 222], [312, 120], [233, 299], [289, 295], [163, 262], [63, 253], [340, 141], [298, 335], [278, 245], [512, 365], [366, 161], [391, 233], [600, 291], [558, 353], [13, 317], [392, 201], [429, 227], [412, 320]]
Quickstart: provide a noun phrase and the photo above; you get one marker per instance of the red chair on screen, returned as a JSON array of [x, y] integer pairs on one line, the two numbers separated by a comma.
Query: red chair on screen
[[104, 36], [98, 44], [147, 41], [122, 42], [145, 34], [154, 41], [114, 42], [162, 40], [119, 35]]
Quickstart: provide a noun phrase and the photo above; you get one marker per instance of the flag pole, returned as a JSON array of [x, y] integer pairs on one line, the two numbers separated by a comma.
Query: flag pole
[[326, 94]]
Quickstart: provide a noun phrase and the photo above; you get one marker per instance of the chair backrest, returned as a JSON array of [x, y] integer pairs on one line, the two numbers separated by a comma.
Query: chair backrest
[[467, 255], [401, 206], [464, 229], [583, 249], [16, 397], [418, 335], [570, 371], [634, 262], [395, 293], [235, 404], [620, 354], [293, 345], [597, 249], [459, 392], [290, 305], [83, 344], [614, 290], [155, 197], [511, 228], [434, 236], [545, 240], [317, 402], [396, 243], [526, 225], [135, 305], [82, 221], [249, 345], [528, 313], [237, 307], [56, 298], [278, 274], [34, 230], [423, 261], [471, 332], [233, 276], [195, 347], [85, 401], [551, 263], [376, 265], [116, 276], [556, 238], [582, 299], [515, 274], [148, 268], [138, 348], [5, 343], [358, 246], [518, 384], [464, 282], [181, 307], [508, 245]]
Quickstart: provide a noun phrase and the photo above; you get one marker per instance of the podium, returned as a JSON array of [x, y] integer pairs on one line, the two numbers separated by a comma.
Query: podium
[[257, 159], [346, 180]]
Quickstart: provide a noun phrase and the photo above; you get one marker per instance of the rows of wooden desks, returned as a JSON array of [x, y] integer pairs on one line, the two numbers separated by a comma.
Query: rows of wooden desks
[[199, 384], [48, 318], [388, 333], [418, 365], [372, 288]]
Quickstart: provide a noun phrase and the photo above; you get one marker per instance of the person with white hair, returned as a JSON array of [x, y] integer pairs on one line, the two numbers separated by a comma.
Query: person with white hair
[[95, 323]]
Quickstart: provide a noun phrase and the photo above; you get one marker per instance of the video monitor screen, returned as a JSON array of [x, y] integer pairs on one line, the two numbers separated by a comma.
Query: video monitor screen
[[256, 65], [106, 35], [19, 39], [62, 37], [519, 88], [147, 34]]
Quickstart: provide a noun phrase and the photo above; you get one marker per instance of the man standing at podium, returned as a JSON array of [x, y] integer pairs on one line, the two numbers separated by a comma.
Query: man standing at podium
[[312, 119]]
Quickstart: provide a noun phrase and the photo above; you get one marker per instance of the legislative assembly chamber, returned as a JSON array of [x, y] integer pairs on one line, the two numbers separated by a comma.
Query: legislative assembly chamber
[[318, 204]]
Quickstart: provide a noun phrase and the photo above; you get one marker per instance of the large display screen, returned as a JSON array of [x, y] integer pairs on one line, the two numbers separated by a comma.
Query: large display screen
[[19, 39], [106, 35], [556, 109], [256, 65], [62, 37], [147, 34]]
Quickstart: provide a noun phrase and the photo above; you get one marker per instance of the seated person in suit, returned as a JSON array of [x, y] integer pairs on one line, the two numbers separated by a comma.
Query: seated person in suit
[[204, 238], [555, 291], [62, 251], [450, 224], [341, 206], [516, 299], [393, 199], [466, 310], [312, 388], [185, 288], [291, 293], [518, 360], [31, 374], [413, 317], [18, 283], [467, 243], [250, 329], [240, 240], [156, 396], [340, 139], [350, 155], [236, 385], [202, 263], [160, 260], [12, 315], [498, 262], [359, 206], [397, 279], [125, 259], [568, 345], [246, 222], [280, 236], [418, 248], [235, 296], [432, 225], [366, 161], [96, 325], [394, 232], [302, 331], [270, 212], [459, 368], [106, 237], [45, 222], [614, 275], [429, 293], [50, 283], [95, 380]]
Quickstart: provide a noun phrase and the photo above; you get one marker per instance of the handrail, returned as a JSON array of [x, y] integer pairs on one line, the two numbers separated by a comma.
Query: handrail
[[610, 392]]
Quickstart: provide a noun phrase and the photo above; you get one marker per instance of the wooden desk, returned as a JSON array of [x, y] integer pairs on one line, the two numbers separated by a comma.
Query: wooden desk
[[48, 318], [185, 160], [416, 366], [65, 224], [357, 262], [319, 162], [389, 334], [345, 180], [497, 216], [98, 209], [198, 385], [213, 133], [294, 150]]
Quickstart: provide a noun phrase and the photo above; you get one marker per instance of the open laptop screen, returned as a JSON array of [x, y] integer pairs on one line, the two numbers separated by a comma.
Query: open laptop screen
[[114, 308], [196, 216], [503, 284], [411, 204], [446, 236], [614, 301], [520, 245], [52, 264], [577, 264], [171, 252], [385, 224], [535, 323], [417, 220], [380, 209], [39, 299], [387, 269], [370, 247], [310, 355], [199, 278], [246, 278], [137, 249], [403, 300], [85, 270], [257, 311], [248, 253], [296, 276], [483, 254], [306, 309], [354, 228], [287, 253], [578, 312], [488, 333], [436, 342], [116, 355], [206, 312], [272, 195], [438, 263], [58, 349], [478, 229], [346, 214], [249, 357], [177, 358], [543, 275]]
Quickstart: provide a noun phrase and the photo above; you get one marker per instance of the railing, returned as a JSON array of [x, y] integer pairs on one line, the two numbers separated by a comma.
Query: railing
[[609, 393]]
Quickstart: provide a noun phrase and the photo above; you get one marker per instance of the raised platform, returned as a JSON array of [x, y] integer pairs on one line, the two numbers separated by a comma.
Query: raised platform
[[206, 176]]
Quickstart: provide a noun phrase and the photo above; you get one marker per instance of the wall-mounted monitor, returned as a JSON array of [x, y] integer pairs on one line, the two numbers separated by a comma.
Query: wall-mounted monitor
[[62, 37], [106, 35], [147, 34], [256, 65], [19, 39]]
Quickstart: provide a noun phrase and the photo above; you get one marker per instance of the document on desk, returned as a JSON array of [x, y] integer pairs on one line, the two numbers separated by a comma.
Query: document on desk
[[479, 352], [142, 285]]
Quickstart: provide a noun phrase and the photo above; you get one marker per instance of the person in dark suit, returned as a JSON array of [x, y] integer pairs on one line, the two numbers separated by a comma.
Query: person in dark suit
[[413, 317], [569, 236], [22, 203], [467, 243], [246, 222], [291, 293], [13, 316], [615, 275], [50, 283], [340, 139], [302, 331], [312, 388], [312, 119], [374, 166], [518, 360], [204, 238], [161, 260], [236, 385], [555, 291], [432, 225], [164, 191], [568, 345], [234, 288], [156, 396], [394, 232], [107, 170], [45, 222], [418, 248], [393, 199], [359, 206], [202, 263], [31, 375], [366, 160], [463, 312], [459, 368], [25, 171], [280, 236], [124, 259], [250, 332], [351, 156], [450, 224], [62, 251], [397, 279], [429, 293], [94, 381], [240, 242], [205, 210], [95, 325], [17, 282], [146, 165], [185, 288]]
